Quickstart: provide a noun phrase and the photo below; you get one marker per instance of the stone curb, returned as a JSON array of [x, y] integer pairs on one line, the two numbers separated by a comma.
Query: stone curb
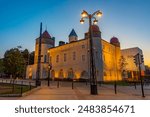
[[31, 91], [10, 95]]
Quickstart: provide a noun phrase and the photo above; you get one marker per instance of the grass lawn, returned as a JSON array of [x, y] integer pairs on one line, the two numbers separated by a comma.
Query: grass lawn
[[8, 88]]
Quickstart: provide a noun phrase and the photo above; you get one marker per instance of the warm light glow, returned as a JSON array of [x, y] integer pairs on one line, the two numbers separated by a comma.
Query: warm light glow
[[77, 75], [84, 14], [56, 74], [82, 21], [99, 14], [30, 69], [95, 21], [48, 51]]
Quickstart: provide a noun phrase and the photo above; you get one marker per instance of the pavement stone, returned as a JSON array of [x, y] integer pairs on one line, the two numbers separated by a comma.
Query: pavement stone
[[81, 91]]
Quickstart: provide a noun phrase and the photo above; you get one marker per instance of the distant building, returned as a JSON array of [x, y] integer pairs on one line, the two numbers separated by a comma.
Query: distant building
[[71, 60], [131, 70]]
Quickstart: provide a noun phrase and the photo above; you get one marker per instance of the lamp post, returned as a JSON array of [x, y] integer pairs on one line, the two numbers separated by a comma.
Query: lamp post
[[91, 17], [49, 68], [38, 83]]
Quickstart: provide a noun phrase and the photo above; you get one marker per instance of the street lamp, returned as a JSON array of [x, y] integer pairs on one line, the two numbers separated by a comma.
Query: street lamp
[[49, 67], [38, 83], [90, 17]]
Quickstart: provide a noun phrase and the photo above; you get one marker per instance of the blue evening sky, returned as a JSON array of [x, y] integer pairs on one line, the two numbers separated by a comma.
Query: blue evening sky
[[129, 20]]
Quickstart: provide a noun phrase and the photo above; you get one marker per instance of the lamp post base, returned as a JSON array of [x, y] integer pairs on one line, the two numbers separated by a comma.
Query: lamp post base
[[48, 83], [94, 90], [38, 83]]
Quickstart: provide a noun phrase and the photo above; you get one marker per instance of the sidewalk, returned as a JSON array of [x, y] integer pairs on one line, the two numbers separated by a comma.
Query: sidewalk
[[82, 92]]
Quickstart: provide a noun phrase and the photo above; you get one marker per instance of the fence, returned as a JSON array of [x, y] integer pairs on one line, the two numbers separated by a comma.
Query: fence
[[11, 87]]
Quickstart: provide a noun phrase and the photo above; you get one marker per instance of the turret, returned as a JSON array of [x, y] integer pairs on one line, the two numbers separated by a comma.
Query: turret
[[95, 32], [46, 42], [73, 36], [115, 41]]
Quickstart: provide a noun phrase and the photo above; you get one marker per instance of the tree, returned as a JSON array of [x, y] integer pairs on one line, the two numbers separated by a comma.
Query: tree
[[31, 58], [25, 54], [14, 62], [1, 67], [122, 64]]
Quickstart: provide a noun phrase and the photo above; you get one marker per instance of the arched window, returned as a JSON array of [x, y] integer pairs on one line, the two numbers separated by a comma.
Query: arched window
[[65, 57], [70, 73], [61, 74], [84, 75], [53, 74], [45, 73], [83, 57], [105, 74], [74, 55]]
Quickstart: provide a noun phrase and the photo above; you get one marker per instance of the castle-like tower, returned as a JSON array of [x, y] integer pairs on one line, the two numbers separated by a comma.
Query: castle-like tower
[[46, 42], [73, 36]]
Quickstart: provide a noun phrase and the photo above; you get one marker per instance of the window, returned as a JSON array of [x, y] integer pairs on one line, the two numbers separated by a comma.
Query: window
[[65, 57], [57, 58], [70, 73], [84, 74], [83, 46], [74, 55], [45, 59], [105, 73], [61, 74], [83, 57]]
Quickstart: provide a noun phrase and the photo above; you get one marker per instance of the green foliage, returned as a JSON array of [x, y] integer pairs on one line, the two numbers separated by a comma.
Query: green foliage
[[1, 66], [25, 54], [8, 88], [14, 62], [31, 58]]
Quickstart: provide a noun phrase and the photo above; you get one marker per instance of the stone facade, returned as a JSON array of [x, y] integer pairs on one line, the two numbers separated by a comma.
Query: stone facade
[[71, 60]]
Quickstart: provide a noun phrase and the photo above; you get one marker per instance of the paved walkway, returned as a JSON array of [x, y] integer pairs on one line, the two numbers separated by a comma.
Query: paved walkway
[[81, 91]]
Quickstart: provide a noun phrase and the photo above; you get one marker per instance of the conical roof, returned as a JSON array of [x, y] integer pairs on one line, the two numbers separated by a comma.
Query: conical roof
[[73, 33], [46, 34]]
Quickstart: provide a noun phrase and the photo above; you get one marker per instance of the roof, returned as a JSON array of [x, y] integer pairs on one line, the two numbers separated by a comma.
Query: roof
[[46, 34], [95, 28], [114, 40], [77, 42], [131, 48], [73, 33]]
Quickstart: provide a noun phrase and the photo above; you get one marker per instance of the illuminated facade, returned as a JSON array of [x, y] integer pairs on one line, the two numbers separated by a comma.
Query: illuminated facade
[[71, 60]]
